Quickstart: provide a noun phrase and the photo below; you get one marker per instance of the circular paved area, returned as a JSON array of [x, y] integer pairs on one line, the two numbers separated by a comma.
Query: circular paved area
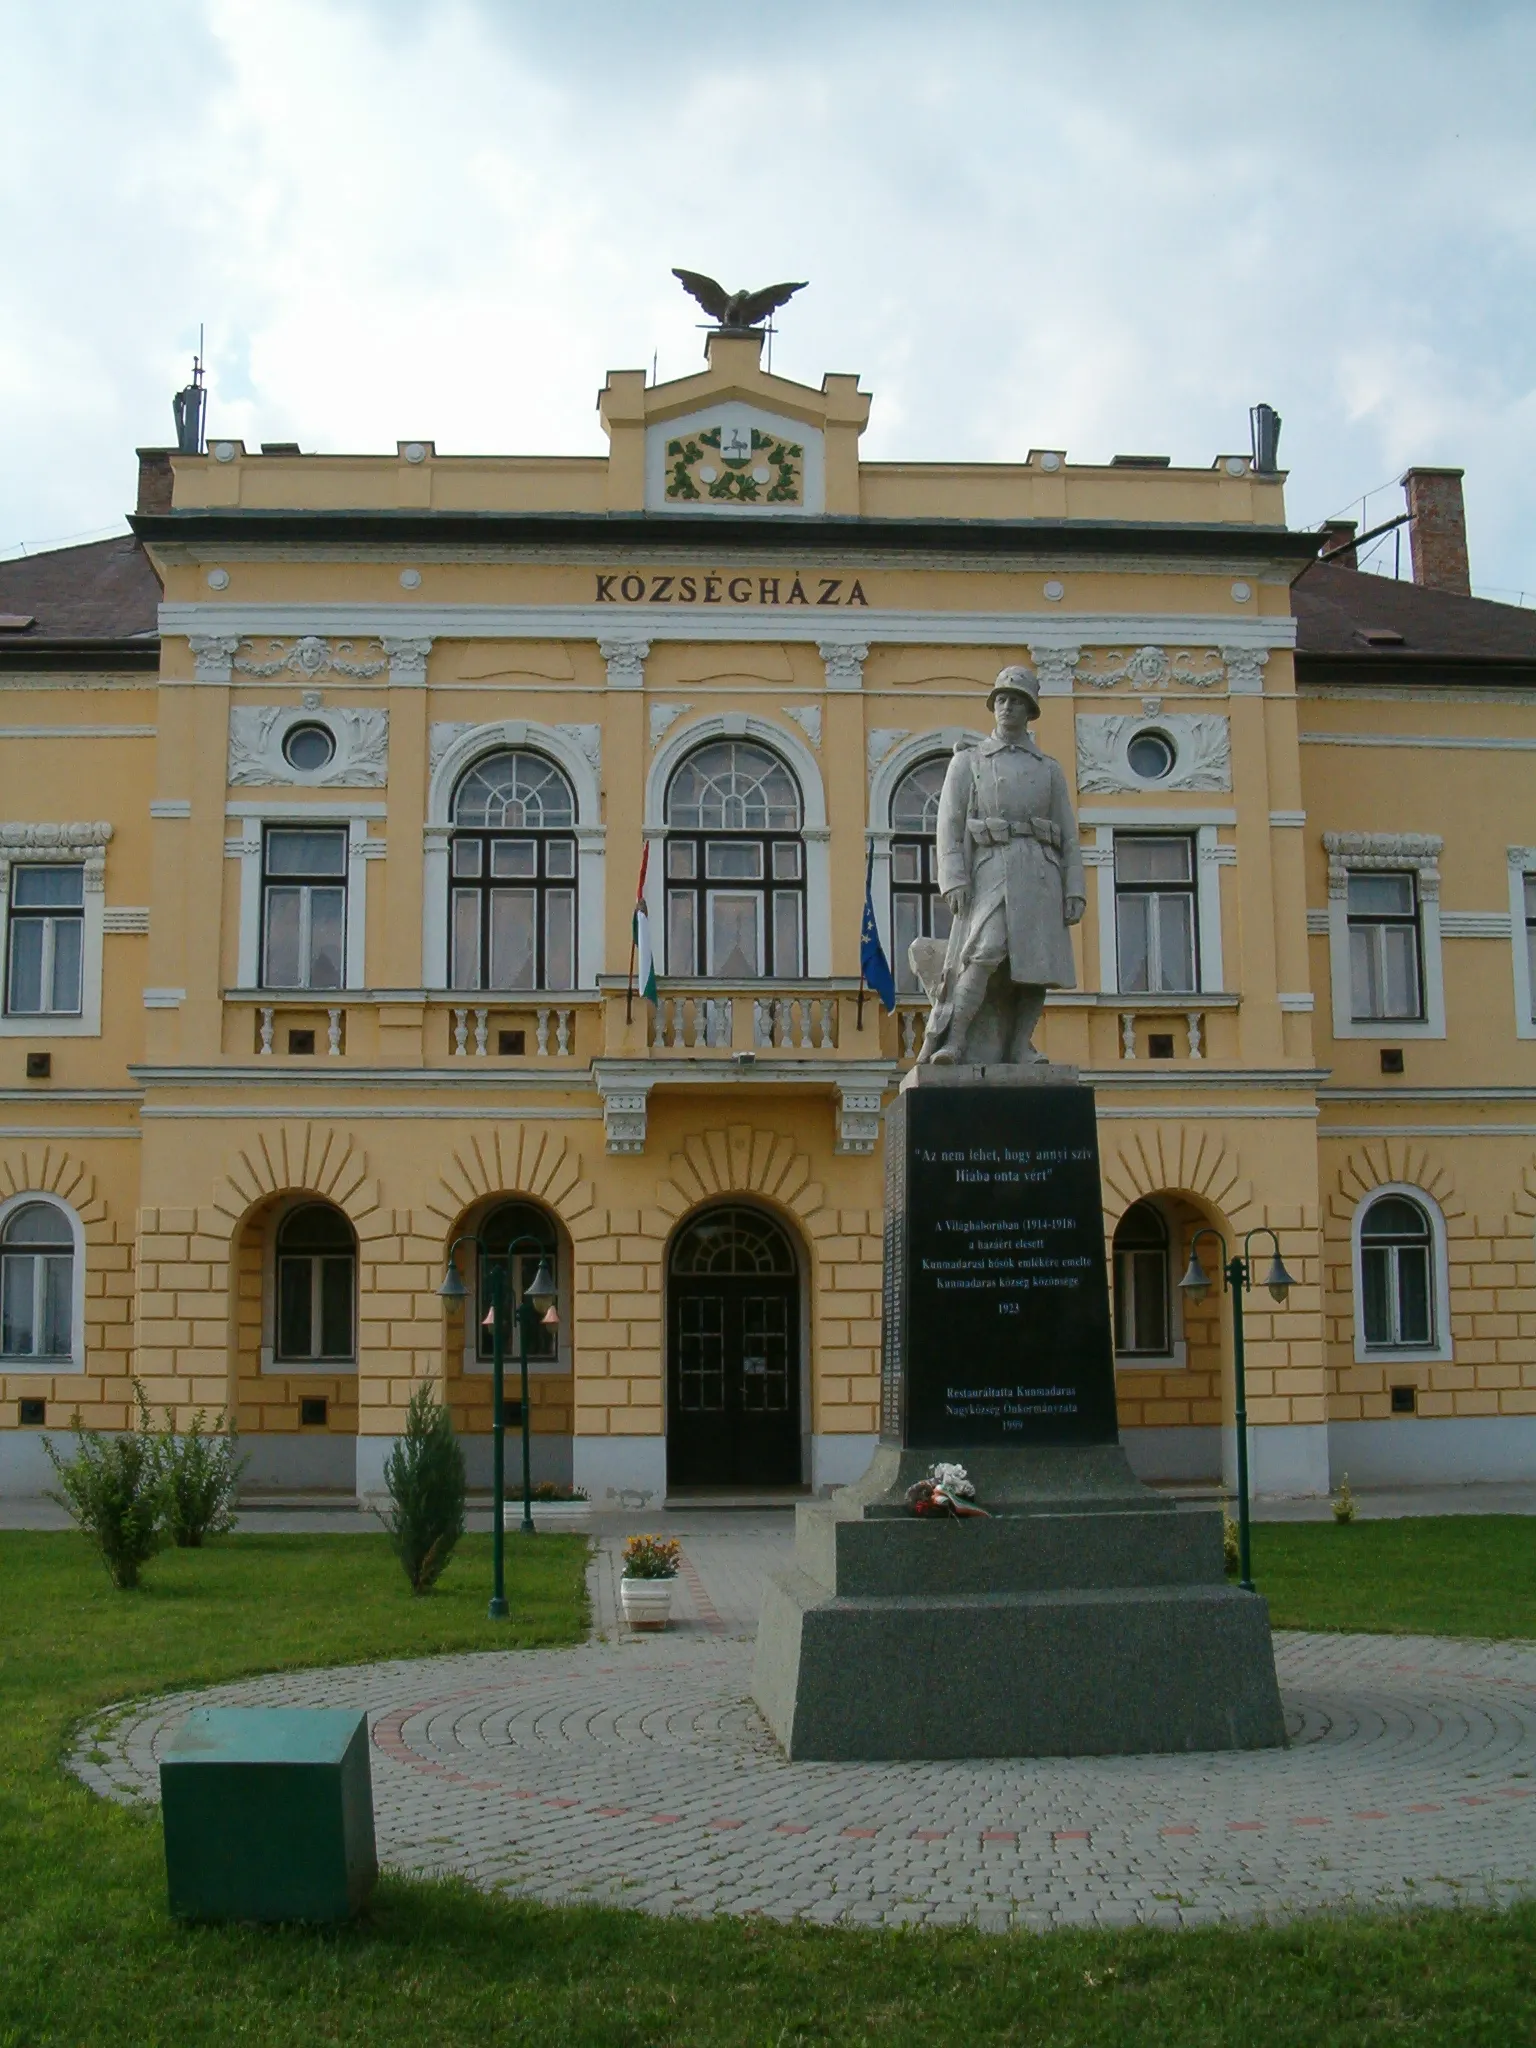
[[639, 1774]]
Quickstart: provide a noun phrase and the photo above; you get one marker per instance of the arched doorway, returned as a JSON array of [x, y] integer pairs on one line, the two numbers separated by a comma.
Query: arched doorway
[[733, 1352]]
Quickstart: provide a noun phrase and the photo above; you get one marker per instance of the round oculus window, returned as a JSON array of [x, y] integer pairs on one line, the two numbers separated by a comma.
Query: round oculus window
[[308, 747], [1150, 756]]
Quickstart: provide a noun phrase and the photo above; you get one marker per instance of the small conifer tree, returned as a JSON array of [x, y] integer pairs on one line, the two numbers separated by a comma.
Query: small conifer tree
[[425, 1476]]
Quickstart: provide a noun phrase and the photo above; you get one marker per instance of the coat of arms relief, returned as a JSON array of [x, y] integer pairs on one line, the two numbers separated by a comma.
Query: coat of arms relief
[[735, 465]]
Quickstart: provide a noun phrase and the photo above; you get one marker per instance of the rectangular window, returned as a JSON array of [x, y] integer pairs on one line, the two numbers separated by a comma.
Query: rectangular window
[[514, 938], [682, 933], [509, 928], [47, 929], [1530, 939], [735, 935], [304, 908], [1155, 915], [1384, 950]]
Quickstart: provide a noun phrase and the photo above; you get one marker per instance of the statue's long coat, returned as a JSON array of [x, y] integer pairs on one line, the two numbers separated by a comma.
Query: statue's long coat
[[996, 785]]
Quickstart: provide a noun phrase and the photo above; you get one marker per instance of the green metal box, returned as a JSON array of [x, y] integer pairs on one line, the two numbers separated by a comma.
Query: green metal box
[[268, 1814]]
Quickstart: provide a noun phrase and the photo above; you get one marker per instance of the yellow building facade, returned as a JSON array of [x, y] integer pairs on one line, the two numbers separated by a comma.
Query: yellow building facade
[[319, 894]]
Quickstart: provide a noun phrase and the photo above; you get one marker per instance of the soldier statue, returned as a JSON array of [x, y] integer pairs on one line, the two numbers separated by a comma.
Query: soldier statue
[[1011, 873]]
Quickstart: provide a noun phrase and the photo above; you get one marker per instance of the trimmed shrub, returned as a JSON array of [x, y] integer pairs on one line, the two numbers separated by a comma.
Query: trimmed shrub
[[1231, 1547], [199, 1474], [111, 1489], [425, 1476], [1344, 1503]]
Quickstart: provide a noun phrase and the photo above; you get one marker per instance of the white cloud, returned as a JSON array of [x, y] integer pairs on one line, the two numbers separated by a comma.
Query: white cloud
[[1110, 227]]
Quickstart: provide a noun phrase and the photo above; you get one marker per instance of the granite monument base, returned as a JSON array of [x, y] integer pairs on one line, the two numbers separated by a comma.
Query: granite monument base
[[1087, 1616]]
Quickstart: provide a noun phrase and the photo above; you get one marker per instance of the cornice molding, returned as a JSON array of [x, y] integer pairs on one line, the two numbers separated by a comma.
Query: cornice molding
[[628, 628]]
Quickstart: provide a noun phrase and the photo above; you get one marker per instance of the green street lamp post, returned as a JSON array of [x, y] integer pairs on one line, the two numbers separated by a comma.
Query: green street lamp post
[[1237, 1273], [536, 1303]]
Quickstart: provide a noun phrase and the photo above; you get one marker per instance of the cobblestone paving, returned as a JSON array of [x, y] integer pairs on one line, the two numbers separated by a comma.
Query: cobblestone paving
[[638, 1773]]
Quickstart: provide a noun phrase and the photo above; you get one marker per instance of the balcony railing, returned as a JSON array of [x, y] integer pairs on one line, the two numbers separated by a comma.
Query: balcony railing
[[797, 1021]]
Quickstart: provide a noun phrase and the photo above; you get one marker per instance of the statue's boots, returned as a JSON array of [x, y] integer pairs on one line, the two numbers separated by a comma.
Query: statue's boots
[[970, 994]]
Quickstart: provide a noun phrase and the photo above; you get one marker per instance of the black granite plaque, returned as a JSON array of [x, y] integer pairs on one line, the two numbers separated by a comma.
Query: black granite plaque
[[996, 1297]]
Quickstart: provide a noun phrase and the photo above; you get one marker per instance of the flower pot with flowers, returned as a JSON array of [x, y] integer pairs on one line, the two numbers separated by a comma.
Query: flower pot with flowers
[[650, 1570]]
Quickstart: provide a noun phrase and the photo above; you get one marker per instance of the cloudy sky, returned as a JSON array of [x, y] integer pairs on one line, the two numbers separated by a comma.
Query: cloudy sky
[[1101, 227]]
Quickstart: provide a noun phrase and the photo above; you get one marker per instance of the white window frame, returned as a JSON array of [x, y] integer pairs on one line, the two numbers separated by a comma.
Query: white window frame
[[41, 1368], [1210, 858], [1441, 1349], [1416, 853], [1176, 1357], [247, 849], [83, 846], [793, 749], [297, 1368], [454, 749], [1522, 863]]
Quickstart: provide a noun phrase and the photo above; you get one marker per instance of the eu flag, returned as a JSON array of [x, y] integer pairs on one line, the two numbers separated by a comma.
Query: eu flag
[[873, 965]]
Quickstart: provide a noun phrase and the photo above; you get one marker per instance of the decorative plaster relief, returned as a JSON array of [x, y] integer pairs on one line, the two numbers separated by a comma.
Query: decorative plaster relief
[[1152, 668], [663, 716], [212, 654], [310, 655], [1202, 750], [1381, 852], [1055, 667], [626, 661], [845, 661], [808, 718], [84, 843], [1245, 670], [858, 1120], [407, 658], [257, 733], [880, 742], [587, 739], [442, 736]]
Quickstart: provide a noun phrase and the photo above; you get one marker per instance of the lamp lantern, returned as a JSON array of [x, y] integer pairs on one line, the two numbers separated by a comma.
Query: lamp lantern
[[1277, 1279], [541, 1292], [1196, 1282], [453, 1289]]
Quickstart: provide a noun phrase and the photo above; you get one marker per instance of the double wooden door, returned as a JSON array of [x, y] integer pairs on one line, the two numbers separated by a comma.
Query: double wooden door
[[733, 1353]]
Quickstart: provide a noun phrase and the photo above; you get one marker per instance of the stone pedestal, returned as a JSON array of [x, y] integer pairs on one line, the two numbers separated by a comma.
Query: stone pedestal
[[1086, 1614]]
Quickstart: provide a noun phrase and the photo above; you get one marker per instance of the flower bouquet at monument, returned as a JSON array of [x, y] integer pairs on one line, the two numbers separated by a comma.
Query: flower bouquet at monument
[[946, 1491]]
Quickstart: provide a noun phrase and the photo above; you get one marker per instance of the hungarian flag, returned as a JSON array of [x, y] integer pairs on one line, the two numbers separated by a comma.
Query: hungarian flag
[[642, 965]]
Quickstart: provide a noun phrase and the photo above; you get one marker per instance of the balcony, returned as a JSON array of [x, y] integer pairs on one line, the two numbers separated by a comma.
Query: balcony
[[413, 1028]]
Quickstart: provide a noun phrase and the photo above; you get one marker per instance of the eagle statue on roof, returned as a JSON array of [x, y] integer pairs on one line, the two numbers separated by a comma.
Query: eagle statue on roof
[[737, 312]]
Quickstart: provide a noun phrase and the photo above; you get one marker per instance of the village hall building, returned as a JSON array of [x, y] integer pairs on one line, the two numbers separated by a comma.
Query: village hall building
[[323, 803]]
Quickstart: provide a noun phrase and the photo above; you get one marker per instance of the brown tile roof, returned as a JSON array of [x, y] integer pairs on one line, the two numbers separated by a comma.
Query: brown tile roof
[[105, 591], [1372, 621]]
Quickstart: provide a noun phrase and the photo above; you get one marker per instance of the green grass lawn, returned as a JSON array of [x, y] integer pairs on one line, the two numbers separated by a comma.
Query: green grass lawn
[[88, 1955], [1450, 1575]]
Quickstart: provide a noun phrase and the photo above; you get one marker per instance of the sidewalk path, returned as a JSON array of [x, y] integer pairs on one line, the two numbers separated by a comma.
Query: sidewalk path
[[638, 1773]]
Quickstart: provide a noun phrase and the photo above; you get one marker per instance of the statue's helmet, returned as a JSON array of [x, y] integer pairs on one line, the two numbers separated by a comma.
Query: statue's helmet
[[1022, 682]]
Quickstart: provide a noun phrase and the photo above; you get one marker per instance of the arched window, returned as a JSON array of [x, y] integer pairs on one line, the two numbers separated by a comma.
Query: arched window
[[504, 1224], [918, 911], [735, 865], [37, 1283], [316, 1287], [1396, 1275], [734, 1241], [512, 876], [1143, 1325]]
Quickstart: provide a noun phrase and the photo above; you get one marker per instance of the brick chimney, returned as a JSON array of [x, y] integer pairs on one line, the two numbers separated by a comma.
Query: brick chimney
[[155, 479], [1340, 534], [1437, 530]]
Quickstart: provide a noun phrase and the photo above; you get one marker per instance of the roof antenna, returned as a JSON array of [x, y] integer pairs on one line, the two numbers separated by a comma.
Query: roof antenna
[[189, 405]]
